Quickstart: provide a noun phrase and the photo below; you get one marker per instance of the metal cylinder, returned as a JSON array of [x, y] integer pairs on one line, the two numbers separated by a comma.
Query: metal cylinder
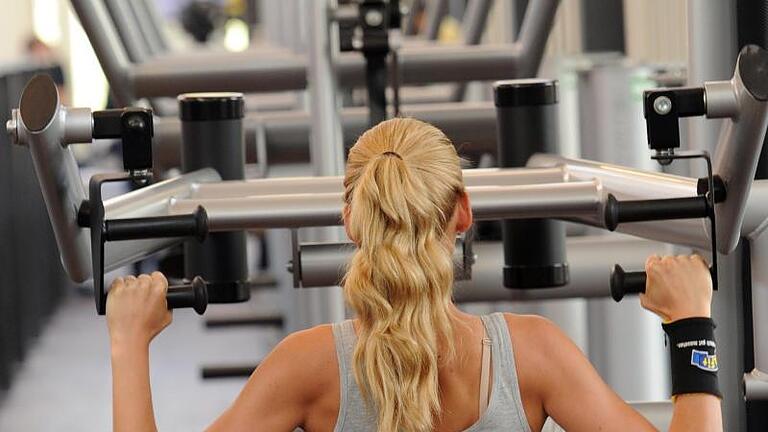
[[526, 112], [212, 136], [324, 264], [303, 210], [589, 271], [40, 124]]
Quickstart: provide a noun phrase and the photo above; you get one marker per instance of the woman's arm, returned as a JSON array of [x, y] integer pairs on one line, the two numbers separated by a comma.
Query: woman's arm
[[561, 379], [277, 397], [136, 313], [679, 288], [576, 397]]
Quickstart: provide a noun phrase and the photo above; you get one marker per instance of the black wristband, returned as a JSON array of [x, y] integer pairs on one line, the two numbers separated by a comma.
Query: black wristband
[[693, 354]]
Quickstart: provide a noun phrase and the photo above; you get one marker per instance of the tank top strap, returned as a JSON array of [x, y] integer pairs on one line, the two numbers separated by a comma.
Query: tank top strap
[[354, 414], [504, 369]]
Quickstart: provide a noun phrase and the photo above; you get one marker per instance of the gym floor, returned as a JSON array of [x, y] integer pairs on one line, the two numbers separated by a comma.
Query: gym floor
[[64, 384]]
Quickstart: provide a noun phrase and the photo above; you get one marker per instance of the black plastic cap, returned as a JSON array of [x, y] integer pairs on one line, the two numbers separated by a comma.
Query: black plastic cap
[[211, 106], [200, 295], [617, 283], [611, 213], [525, 92], [527, 277]]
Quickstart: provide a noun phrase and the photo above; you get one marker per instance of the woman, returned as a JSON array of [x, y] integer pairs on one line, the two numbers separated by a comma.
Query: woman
[[411, 360]]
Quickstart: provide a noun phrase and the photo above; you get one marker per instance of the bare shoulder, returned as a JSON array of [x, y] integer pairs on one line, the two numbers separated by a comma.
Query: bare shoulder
[[534, 328], [316, 340], [537, 340], [309, 349], [305, 359]]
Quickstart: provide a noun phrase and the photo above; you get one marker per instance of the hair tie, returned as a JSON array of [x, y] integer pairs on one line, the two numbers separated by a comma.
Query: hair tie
[[391, 153]]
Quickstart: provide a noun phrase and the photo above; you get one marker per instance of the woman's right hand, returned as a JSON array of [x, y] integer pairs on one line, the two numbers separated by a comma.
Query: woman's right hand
[[137, 308], [677, 287]]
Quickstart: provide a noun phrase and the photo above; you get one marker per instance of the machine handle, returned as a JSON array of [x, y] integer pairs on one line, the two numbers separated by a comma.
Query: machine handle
[[617, 212], [193, 295], [624, 282], [189, 225]]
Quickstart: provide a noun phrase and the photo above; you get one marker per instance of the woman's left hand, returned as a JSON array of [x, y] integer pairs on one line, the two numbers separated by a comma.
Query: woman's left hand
[[136, 308]]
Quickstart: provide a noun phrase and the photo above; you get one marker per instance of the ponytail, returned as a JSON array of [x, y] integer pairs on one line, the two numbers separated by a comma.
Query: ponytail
[[403, 180]]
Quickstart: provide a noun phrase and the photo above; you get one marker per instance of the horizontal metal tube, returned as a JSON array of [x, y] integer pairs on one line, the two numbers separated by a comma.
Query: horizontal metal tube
[[150, 201], [331, 184], [244, 72], [253, 72], [633, 184], [583, 199], [285, 135], [436, 63], [324, 264], [590, 259]]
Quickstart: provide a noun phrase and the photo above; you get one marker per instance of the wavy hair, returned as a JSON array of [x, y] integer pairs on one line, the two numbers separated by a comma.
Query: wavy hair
[[402, 185]]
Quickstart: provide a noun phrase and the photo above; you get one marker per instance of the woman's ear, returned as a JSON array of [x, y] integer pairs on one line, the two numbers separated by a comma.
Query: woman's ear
[[345, 217], [464, 217]]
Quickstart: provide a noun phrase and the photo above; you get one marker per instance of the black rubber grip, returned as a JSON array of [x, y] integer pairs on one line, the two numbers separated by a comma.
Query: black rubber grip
[[617, 212], [623, 283], [191, 225], [193, 295]]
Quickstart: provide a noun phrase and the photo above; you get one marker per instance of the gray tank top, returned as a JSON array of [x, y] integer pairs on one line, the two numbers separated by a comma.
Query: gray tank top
[[505, 409]]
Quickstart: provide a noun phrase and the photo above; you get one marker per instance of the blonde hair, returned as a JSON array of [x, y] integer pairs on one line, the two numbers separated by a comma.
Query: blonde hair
[[402, 184]]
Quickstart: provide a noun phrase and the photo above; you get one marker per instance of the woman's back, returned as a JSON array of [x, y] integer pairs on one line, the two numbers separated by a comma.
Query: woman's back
[[460, 384], [514, 403]]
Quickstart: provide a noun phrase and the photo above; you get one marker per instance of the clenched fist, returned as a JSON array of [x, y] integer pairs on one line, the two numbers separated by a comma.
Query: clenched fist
[[136, 308], [677, 287]]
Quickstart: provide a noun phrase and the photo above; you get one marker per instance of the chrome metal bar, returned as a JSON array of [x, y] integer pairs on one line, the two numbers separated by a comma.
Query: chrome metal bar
[[633, 184], [589, 259], [128, 29], [558, 200], [147, 202], [738, 151], [324, 265], [251, 72], [534, 31], [754, 229], [326, 146], [244, 72], [473, 24], [40, 124], [740, 142], [106, 43], [331, 184], [151, 25]]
